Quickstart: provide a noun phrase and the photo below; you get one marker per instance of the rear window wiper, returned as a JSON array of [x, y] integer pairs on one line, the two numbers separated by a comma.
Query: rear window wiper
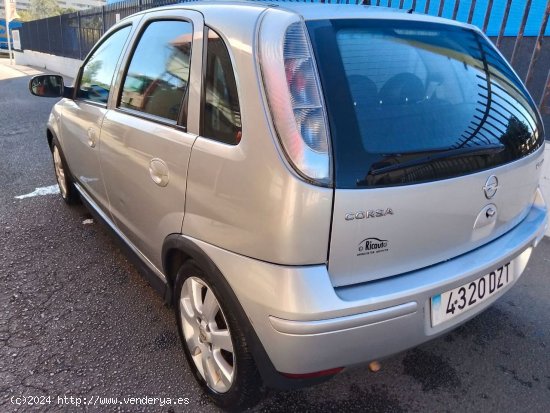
[[487, 150]]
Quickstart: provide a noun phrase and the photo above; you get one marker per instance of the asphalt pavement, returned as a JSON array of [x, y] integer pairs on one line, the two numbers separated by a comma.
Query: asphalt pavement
[[77, 320]]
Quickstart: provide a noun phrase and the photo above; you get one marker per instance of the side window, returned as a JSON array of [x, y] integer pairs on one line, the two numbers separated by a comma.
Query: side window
[[157, 78], [221, 116], [98, 72]]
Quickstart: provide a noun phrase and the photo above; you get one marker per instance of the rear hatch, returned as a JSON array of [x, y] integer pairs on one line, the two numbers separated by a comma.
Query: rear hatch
[[435, 143]]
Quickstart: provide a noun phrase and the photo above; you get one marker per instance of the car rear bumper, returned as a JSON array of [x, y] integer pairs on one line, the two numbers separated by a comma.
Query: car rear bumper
[[306, 325]]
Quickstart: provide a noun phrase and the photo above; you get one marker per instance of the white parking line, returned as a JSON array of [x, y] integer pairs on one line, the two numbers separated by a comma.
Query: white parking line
[[44, 190]]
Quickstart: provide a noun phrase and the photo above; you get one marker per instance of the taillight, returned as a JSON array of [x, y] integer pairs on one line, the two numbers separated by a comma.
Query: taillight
[[294, 96]]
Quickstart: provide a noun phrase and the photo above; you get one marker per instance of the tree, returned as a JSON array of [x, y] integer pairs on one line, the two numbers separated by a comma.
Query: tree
[[67, 10], [24, 15], [40, 9]]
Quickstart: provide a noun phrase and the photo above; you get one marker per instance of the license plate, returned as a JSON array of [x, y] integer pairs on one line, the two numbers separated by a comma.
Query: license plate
[[454, 302]]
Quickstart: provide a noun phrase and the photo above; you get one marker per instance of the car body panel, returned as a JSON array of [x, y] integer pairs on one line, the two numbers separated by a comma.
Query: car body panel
[[147, 212], [127, 151], [431, 223], [80, 131], [242, 198]]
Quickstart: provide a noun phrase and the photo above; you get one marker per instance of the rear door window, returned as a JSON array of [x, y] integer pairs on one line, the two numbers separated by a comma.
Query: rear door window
[[410, 102], [157, 78]]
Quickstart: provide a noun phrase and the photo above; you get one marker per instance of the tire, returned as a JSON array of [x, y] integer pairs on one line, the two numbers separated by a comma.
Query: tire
[[204, 326], [63, 175]]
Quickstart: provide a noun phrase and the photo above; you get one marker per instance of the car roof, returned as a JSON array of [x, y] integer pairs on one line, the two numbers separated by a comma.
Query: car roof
[[308, 10]]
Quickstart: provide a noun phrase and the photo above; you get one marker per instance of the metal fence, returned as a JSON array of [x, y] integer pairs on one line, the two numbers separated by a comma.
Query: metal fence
[[74, 34]]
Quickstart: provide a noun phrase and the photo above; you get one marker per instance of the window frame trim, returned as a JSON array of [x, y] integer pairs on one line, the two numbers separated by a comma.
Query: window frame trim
[[180, 123]]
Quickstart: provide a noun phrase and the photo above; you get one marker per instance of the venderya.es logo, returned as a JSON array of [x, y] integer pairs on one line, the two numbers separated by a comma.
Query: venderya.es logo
[[372, 246]]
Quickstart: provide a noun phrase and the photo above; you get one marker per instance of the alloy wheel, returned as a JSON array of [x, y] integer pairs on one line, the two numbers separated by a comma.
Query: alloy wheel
[[59, 172], [207, 334]]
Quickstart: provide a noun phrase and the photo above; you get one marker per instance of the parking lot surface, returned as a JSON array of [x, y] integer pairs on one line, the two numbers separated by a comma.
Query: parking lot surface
[[77, 319]]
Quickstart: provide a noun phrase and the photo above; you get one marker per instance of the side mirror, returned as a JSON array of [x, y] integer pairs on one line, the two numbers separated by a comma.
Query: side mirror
[[48, 86]]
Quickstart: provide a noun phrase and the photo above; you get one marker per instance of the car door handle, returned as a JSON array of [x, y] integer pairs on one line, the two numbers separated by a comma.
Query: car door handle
[[158, 170], [92, 137]]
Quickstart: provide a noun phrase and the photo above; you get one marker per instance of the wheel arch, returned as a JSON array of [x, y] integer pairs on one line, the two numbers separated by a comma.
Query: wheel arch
[[50, 134], [175, 251]]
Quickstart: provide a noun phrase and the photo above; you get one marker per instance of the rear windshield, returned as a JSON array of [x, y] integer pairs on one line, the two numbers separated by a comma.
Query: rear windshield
[[412, 102]]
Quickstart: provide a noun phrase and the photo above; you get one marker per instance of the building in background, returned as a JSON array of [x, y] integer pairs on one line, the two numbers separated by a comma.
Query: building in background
[[81, 4], [23, 5]]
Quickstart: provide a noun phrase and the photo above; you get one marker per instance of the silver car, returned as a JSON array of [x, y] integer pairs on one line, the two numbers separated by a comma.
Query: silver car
[[312, 187]]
